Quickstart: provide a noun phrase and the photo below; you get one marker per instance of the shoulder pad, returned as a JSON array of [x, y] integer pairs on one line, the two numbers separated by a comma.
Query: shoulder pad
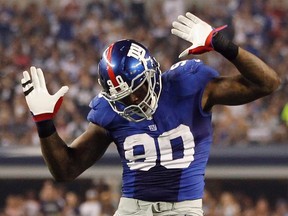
[[101, 113]]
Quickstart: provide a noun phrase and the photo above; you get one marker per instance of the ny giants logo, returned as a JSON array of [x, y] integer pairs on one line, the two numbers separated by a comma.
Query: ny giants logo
[[136, 52]]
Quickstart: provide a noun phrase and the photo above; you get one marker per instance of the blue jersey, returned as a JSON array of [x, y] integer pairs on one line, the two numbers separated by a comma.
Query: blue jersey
[[164, 159]]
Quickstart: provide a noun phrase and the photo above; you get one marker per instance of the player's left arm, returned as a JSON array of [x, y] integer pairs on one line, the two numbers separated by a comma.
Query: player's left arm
[[256, 78]]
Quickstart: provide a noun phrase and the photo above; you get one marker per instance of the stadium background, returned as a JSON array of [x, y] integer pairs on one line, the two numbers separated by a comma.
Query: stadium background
[[248, 168]]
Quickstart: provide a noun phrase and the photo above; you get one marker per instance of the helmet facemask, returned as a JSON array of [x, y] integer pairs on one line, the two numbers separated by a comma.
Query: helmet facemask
[[147, 107]]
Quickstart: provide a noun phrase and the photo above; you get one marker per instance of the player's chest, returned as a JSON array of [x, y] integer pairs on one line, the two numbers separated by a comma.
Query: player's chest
[[143, 149]]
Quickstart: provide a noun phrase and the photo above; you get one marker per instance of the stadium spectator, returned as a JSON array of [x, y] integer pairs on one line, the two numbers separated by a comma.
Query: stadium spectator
[[91, 206], [72, 203], [50, 201], [14, 205], [228, 205], [262, 207], [31, 204]]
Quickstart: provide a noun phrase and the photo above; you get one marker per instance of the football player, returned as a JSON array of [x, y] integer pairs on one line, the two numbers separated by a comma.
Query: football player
[[160, 122]]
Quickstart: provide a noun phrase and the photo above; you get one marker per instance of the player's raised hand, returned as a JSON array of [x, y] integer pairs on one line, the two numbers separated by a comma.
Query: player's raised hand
[[195, 31], [42, 105]]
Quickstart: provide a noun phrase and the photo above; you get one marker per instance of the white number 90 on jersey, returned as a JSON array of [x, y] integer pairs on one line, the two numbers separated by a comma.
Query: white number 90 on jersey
[[147, 160]]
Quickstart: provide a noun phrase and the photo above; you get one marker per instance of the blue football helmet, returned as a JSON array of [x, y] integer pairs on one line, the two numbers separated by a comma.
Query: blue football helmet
[[124, 67]]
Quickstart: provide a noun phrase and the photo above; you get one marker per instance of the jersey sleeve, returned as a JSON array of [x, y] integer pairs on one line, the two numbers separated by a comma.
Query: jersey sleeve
[[101, 112], [190, 76]]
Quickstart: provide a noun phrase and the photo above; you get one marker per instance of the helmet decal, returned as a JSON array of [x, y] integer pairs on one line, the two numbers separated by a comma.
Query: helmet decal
[[137, 52], [108, 55]]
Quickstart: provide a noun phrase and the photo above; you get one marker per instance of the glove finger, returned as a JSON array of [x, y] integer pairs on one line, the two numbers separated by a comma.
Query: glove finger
[[26, 78], [180, 34], [193, 18], [41, 79], [61, 92], [181, 27], [35, 79], [186, 21], [26, 82]]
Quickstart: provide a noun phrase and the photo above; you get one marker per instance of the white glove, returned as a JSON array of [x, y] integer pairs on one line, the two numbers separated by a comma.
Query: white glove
[[195, 31], [42, 105]]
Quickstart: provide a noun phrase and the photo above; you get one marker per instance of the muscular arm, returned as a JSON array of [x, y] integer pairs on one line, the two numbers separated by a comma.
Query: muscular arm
[[67, 162], [256, 79]]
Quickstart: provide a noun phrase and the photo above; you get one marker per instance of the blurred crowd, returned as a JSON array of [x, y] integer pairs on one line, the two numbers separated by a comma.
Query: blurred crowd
[[56, 200], [67, 39], [228, 203], [100, 200]]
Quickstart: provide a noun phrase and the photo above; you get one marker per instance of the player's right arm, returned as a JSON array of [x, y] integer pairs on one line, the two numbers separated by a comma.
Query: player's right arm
[[65, 162]]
